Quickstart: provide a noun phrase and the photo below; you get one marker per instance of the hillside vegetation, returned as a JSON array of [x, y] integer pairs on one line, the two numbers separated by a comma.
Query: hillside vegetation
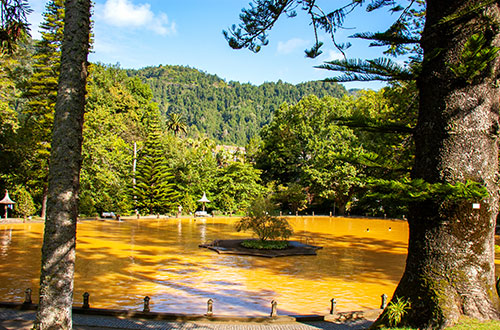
[[228, 112]]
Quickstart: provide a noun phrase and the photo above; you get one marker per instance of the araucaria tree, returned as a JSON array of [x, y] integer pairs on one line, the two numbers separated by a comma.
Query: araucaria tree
[[153, 191], [450, 265], [13, 23], [41, 93], [58, 250]]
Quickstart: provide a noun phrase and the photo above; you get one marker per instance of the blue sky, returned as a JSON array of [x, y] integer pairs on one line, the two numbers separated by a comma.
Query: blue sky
[[140, 33]]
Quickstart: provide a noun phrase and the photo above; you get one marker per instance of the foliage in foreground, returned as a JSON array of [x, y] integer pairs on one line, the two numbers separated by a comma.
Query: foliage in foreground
[[397, 309]]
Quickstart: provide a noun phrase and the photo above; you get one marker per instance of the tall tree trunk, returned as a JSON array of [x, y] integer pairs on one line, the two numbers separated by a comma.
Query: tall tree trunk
[[58, 251], [45, 195], [341, 206], [450, 268]]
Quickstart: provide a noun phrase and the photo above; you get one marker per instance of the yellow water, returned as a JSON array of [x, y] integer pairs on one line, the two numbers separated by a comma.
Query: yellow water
[[119, 263]]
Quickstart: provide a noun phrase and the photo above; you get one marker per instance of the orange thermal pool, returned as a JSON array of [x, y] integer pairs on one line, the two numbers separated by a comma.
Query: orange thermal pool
[[119, 263]]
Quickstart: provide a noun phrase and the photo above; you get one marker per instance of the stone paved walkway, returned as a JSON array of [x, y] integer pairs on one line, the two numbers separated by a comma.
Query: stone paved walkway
[[14, 319]]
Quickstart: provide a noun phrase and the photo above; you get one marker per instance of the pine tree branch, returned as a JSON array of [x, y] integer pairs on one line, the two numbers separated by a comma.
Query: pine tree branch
[[367, 70], [13, 23], [385, 38]]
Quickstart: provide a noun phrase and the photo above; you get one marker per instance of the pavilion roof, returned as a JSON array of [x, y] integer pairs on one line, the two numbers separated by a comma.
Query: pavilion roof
[[6, 199], [204, 199]]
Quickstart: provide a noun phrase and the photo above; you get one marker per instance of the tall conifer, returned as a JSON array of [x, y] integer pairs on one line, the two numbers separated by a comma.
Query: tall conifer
[[41, 94], [153, 192]]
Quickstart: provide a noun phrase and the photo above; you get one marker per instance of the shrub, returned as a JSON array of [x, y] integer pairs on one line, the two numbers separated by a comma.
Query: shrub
[[261, 222], [265, 245], [24, 204]]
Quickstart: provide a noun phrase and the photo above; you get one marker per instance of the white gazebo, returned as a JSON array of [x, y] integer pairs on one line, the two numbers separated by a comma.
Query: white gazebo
[[7, 202], [204, 200]]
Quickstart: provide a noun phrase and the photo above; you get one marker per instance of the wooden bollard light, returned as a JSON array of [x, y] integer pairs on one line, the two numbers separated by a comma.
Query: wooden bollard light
[[146, 304], [86, 296], [384, 301], [332, 307], [210, 307], [27, 296], [274, 308]]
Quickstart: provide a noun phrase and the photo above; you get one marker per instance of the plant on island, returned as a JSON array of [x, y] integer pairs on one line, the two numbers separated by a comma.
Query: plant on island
[[272, 231]]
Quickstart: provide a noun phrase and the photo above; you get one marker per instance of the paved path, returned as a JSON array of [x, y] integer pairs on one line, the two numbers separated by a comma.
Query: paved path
[[11, 319]]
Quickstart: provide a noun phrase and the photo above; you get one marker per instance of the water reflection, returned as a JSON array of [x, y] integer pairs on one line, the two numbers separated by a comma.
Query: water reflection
[[5, 241], [119, 263]]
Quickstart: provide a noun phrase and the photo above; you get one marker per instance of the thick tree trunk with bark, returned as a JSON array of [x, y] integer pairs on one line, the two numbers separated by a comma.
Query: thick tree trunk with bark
[[58, 251], [450, 268]]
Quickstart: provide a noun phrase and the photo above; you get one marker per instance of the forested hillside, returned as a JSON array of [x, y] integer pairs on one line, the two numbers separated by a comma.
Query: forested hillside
[[229, 112]]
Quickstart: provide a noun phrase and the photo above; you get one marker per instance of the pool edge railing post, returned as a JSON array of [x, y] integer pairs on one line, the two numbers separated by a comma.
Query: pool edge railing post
[[210, 306], [146, 304], [274, 308], [384, 301], [86, 304], [332, 306], [27, 297]]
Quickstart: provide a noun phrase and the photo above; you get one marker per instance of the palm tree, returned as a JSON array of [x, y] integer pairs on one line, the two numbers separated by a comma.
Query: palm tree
[[176, 124]]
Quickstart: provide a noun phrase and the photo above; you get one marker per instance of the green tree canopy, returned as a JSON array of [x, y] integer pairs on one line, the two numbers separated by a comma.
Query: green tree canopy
[[304, 145], [237, 185], [117, 113]]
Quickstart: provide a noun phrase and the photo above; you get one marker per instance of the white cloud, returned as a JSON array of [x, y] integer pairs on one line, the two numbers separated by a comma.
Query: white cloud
[[123, 13], [291, 45], [333, 55]]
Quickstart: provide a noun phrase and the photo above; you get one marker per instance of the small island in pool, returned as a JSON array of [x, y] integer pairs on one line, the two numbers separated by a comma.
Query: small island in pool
[[234, 246]]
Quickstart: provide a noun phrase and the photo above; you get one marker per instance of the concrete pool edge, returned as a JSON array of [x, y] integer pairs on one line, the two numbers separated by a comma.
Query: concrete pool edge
[[129, 314]]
